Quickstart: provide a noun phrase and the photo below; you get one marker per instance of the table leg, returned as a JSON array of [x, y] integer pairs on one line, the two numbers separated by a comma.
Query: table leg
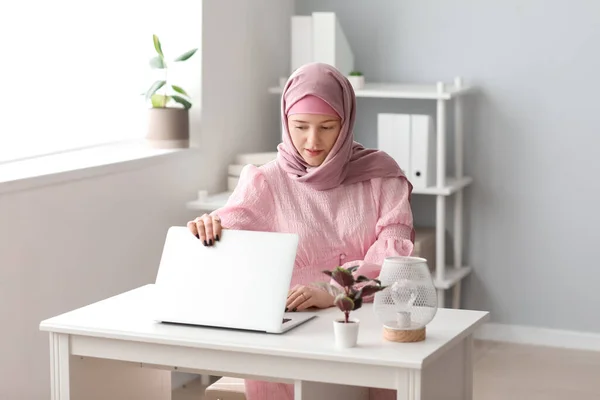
[[59, 366], [468, 368], [409, 385], [304, 390], [448, 376]]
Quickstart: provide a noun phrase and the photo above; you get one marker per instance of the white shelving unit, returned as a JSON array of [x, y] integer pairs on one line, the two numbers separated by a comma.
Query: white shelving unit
[[446, 276], [403, 91], [212, 202]]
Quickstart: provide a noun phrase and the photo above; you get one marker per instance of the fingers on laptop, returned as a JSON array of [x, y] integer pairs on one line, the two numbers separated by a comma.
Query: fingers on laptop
[[292, 290], [212, 224], [201, 231], [206, 228], [299, 299], [192, 227], [216, 221]]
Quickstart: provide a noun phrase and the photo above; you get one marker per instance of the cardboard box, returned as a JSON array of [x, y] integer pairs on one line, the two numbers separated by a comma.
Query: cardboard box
[[425, 245]]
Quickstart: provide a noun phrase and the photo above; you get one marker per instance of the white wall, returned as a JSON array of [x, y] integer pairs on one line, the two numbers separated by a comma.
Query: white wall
[[68, 245], [245, 50]]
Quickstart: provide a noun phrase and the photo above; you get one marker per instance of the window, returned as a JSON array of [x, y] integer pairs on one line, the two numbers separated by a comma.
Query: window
[[73, 71]]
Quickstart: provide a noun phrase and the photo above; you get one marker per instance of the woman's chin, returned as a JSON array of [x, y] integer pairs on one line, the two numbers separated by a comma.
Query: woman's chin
[[312, 162]]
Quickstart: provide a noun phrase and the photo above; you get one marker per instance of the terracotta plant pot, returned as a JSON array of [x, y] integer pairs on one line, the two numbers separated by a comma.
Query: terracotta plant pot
[[346, 334], [168, 127]]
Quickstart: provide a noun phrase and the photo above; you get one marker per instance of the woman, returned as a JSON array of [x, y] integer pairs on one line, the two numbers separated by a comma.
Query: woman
[[348, 204]]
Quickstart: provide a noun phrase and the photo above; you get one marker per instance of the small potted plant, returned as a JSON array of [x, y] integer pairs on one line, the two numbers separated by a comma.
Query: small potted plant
[[349, 297], [357, 80], [168, 123]]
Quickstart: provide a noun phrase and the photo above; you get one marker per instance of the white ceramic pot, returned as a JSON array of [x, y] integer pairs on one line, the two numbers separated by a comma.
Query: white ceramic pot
[[346, 334], [357, 82]]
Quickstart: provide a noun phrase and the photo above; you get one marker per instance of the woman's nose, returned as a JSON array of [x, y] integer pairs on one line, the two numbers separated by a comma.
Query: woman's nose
[[313, 137]]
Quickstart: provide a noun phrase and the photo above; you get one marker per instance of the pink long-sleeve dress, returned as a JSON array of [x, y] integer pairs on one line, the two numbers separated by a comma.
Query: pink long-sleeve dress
[[361, 223]]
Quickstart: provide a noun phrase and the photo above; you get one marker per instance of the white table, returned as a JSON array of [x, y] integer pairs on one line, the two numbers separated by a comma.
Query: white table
[[119, 329]]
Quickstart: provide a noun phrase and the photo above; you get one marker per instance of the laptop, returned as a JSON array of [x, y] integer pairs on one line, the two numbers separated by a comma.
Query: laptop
[[241, 282]]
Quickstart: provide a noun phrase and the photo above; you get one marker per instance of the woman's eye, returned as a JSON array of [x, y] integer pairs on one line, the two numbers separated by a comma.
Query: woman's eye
[[327, 127], [300, 127]]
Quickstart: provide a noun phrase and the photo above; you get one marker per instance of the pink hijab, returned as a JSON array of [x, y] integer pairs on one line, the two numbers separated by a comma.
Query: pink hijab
[[348, 162]]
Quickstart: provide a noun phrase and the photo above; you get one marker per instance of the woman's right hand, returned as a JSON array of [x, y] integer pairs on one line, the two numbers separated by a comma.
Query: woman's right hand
[[207, 228]]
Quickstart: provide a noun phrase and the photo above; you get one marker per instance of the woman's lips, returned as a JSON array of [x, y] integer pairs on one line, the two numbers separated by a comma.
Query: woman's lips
[[313, 152]]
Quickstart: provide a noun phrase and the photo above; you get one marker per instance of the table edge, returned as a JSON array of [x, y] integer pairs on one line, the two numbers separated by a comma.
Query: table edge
[[47, 326], [457, 339]]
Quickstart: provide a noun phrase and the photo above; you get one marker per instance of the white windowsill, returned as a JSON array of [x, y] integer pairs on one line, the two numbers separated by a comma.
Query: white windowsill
[[80, 164]]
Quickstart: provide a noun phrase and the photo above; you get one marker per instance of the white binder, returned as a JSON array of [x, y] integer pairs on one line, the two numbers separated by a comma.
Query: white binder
[[393, 137], [330, 44], [410, 140], [422, 152], [319, 37]]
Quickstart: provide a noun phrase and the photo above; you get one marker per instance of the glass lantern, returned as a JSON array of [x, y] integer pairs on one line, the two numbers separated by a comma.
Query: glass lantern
[[409, 302]]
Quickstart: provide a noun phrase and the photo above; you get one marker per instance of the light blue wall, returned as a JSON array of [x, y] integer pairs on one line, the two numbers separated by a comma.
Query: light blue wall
[[533, 138]]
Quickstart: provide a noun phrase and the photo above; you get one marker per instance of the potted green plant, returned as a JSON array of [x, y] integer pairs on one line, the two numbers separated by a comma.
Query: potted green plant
[[168, 121], [349, 297], [357, 80]]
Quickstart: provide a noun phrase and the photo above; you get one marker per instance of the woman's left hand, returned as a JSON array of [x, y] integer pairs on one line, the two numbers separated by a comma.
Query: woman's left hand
[[302, 297]]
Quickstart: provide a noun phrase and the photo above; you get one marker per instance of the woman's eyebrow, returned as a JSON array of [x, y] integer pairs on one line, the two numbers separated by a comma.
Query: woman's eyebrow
[[322, 122]]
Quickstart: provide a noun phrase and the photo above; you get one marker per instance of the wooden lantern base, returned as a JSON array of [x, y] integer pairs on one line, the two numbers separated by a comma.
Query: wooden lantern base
[[404, 336]]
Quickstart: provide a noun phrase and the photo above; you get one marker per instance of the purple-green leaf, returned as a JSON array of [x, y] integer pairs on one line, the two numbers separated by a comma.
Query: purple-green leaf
[[352, 269], [344, 303], [362, 278], [371, 289], [357, 303], [328, 273], [343, 277]]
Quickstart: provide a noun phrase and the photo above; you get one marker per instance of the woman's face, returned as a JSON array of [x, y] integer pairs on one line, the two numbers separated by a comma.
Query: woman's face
[[314, 135]]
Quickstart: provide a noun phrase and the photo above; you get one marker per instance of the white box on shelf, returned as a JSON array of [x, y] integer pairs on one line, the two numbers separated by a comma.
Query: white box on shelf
[[232, 182], [329, 42], [319, 37], [255, 158], [422, 152], [424, 245], [235, 169], [302, 41], [393, 137]]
